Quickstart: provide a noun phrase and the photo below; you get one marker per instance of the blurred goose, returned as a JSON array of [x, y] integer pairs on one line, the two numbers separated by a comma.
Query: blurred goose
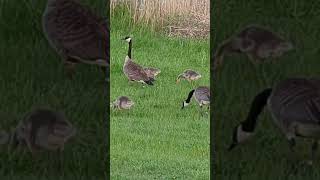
[[77, 34], [41, 129], [132, 70], [295, 107], [200, 94], [152, 72], [123, 102], [188, 75], [257, 42], [4, 137]]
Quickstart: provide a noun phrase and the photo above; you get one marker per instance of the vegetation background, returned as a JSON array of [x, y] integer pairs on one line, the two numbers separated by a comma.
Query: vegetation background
[[267, 155], [32, 75], [156, 139]]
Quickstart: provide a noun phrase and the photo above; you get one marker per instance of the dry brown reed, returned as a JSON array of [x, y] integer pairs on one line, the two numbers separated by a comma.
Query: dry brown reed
[[193, 14]]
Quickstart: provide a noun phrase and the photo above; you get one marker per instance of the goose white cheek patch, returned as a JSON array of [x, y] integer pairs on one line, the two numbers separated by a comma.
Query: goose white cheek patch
[[128, 39], [185, 104]]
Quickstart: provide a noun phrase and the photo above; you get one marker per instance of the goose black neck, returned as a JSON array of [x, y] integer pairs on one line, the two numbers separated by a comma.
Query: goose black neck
[[129, 50], [190, 96], [256, 108]]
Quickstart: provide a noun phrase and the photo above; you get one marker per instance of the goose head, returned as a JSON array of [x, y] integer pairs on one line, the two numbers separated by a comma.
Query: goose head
[[239, 137], [127, 38]]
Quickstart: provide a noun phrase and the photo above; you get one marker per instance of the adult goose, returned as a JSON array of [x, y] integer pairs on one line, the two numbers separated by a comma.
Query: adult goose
[[201, 94], [77, 34], [134, 71], [295, 107]]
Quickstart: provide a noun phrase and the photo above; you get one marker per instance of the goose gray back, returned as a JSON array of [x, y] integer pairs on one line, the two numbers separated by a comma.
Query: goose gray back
[[295, 107]]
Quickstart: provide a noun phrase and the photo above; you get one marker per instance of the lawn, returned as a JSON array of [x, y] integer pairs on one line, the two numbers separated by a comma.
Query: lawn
[[267, 155], [156, 139], [32, 75]]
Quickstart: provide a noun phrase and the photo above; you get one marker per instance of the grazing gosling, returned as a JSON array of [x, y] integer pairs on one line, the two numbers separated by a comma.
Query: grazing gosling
[[152, 72], [132, 70], [123, 102], [41, 129], [77, 34], [189, 75], [200, 94], [257, 42], [295, 107]]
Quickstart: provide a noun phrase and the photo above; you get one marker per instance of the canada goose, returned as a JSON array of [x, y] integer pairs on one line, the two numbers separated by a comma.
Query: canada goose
[[123, 102], [295, 107], [189, 75], [200, 94], [152, 72], [77, 34], [41, 129], [257, 42], [132, 70]]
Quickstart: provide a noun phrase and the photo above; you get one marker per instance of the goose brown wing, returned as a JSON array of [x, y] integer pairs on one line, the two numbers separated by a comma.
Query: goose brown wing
[[297, 100], [260, 35], [78, 31], [135, 72]]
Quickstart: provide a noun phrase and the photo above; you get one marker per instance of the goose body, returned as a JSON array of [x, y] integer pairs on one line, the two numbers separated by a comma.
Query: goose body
[[257, 42], [295, 107], [201, 96], [189, 75], [76, 33], [134, 71], [123, 102], [43, 129]]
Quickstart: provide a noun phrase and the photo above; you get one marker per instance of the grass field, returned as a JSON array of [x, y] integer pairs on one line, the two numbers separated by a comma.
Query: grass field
[[32, 75], [156, 139], [266, 156]]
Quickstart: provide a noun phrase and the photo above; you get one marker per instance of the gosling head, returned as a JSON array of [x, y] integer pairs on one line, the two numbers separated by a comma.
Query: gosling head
[[239, 137], [179, 78]]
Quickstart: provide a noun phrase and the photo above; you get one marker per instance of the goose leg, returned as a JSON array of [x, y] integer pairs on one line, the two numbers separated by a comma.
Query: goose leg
[[253, 59], [292, 144], [69, 68], [314, 148], [60, 150], [201, 110]]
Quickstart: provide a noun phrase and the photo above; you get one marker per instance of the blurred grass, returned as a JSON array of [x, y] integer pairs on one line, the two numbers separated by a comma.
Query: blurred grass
[[267, 155], [32, 75], [155, 139]]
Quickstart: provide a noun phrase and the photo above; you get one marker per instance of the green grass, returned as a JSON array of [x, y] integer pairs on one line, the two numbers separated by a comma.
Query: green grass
[[156, 139], [32, 75], [267, 155]]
